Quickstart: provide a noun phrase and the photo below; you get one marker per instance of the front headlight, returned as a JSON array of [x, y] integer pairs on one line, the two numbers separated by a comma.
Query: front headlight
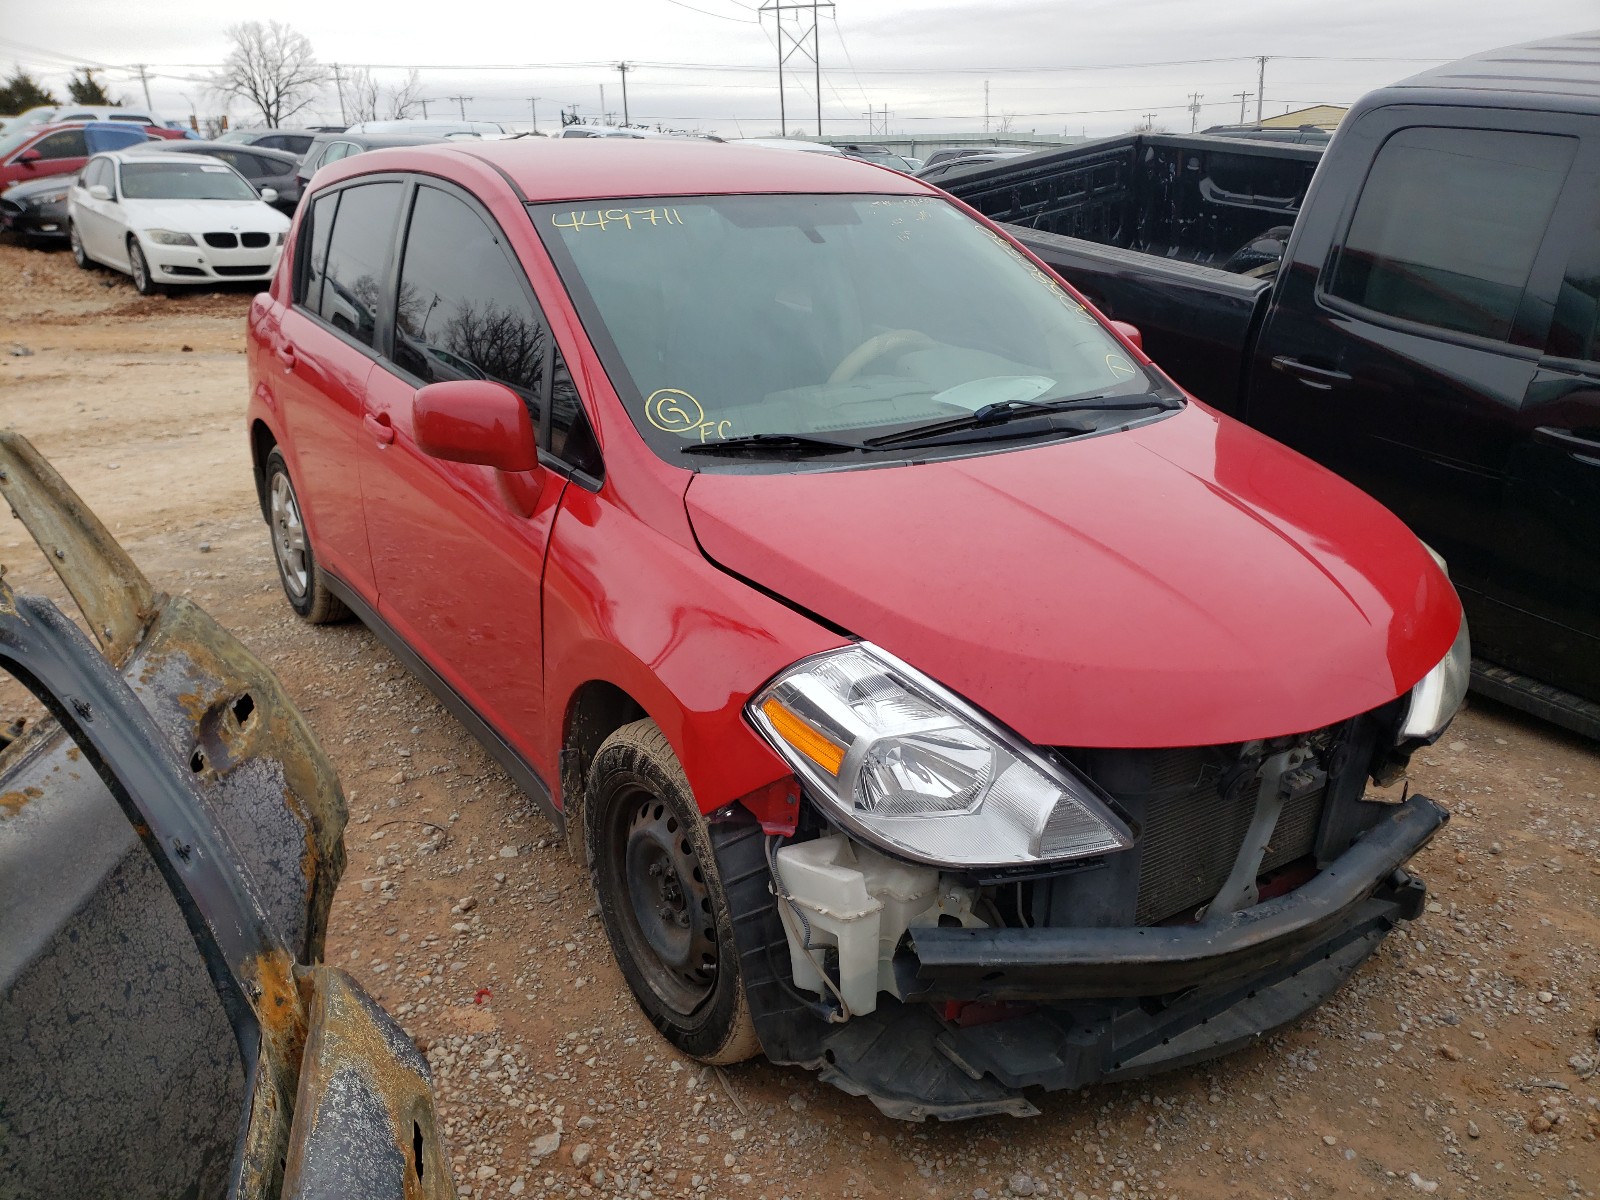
[[1439, 693], [167, 237], [282, 234], [44, 198], [904, 763]]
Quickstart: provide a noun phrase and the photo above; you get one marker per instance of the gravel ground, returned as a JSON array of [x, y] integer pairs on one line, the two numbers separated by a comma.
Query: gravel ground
[[1460, 1061]]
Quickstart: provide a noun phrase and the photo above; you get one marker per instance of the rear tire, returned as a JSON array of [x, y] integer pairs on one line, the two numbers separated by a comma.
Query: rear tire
[[661, 897], [143, 282], [79, 254], [304, 584]]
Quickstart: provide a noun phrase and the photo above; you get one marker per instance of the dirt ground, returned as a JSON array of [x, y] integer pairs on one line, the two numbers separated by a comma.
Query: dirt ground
[[1459, 1062]]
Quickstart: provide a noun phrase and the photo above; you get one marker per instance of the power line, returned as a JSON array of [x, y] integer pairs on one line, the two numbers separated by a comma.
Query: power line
[[704, 13]]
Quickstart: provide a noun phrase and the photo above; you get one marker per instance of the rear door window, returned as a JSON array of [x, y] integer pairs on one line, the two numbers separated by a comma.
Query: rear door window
[[356, 257], [1448, 224]]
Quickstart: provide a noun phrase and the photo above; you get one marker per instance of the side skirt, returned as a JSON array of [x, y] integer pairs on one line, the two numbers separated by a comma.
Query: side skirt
[[521, 771], [1537, 699]]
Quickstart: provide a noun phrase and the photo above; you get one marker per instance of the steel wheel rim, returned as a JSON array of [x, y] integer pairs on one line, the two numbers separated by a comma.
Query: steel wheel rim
[[665, 909], [288, 537]]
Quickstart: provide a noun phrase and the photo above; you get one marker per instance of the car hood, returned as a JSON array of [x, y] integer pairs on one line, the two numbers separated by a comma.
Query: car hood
[[1187, 582], [201, 216]]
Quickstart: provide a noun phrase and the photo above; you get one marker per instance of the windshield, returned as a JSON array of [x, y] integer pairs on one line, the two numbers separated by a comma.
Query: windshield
[[183, 181], [830, 316]]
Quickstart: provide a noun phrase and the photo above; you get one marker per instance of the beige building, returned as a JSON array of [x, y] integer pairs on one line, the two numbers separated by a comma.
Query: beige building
[[1323, 116]]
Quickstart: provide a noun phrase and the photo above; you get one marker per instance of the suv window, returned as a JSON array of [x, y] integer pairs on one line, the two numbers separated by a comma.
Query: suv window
[[65, 143], [1447, 226], [1575, 327], [247, 165], [357, 256], [464, 309]]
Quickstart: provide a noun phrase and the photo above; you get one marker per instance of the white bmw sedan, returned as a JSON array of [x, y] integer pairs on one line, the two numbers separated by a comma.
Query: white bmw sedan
[[173, 219]]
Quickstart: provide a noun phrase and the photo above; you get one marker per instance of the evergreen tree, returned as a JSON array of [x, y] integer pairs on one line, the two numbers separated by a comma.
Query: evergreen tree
[[22, 92], [88, 90]]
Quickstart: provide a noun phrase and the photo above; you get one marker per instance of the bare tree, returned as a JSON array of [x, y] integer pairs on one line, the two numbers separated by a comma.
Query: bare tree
[[361, 95], [272, 67], [406, 96]]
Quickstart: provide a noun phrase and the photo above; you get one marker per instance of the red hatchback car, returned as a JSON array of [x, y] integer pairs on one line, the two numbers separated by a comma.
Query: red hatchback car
[[940, 698]]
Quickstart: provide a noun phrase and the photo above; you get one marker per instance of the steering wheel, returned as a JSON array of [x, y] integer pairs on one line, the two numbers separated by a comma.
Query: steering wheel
[[875, 347]]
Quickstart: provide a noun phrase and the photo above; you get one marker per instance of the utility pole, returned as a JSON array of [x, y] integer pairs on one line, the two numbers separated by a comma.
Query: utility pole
[[533, 111], [145, 80], [986, 106], [1243, 96], [797, 42], [461, 102], [338, 83], [602, 104], [623, 67], [1194, 110], [1149, 122], [1261, 86], [425, 104]]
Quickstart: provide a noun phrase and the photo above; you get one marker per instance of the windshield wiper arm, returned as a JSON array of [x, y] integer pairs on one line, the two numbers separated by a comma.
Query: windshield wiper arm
[[796, 443], [1009, 410]]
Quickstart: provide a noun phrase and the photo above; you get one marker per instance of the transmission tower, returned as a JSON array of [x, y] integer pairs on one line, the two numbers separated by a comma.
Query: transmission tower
[[797, 38]]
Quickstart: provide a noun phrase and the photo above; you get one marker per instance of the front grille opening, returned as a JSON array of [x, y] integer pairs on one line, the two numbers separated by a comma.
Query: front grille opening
[[222, 241], [254, 241]]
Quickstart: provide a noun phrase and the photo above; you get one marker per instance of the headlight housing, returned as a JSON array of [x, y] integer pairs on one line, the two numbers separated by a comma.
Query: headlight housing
[[44, 198], [1439, 693], [168, 237], [908, 766]]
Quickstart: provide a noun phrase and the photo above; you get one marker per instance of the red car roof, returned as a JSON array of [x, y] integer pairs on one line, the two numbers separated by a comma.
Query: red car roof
[[599, 168]]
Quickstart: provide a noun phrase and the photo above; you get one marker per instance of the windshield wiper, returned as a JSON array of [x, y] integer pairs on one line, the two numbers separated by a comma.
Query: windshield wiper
[[998, 414], [795, 443]]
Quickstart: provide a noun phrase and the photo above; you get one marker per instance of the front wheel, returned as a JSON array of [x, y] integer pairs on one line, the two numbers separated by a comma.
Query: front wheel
[[142, 281], [79, 254], [661, 897], [304, 584]]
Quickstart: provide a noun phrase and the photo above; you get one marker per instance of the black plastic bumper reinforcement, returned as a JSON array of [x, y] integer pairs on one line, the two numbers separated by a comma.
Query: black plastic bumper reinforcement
[[1110, 1003], [1078, 964]]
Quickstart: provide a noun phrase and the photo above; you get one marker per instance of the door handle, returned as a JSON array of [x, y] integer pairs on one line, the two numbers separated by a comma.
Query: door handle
[[1324, 379], [379, 428], [286, 356], [1565, 439]]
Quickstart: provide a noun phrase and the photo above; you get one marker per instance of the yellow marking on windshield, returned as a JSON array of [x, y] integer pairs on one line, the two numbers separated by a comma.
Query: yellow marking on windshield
[[606, 218], [673, 410]]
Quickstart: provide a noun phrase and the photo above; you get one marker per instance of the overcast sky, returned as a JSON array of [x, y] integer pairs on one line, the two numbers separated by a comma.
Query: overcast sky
[[926, 61]]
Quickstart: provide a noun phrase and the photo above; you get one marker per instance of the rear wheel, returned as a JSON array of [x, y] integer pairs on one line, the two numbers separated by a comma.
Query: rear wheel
[[304, 583], [142, 281], [79, 254], [661, 898]]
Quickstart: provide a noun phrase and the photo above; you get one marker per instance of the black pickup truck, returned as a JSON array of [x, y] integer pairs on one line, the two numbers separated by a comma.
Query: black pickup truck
[[1417, 310]]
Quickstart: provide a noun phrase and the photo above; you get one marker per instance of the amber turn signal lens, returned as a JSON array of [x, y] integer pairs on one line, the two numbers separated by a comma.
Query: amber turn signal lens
[[803, 738]]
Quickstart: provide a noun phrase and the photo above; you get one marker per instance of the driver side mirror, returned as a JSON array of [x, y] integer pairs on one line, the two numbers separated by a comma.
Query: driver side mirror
[[269, 195], [28, 157], [99, 192], [474, 421], [1131, 332]]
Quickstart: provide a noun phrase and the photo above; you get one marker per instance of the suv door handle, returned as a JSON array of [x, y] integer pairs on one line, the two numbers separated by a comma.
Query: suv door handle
[[1322, 378], [379, 427], [1585, 448]]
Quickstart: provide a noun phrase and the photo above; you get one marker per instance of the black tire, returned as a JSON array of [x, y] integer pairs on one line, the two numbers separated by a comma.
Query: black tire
[[305, 585], [661, 898], [143, 282], [79, 254]]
